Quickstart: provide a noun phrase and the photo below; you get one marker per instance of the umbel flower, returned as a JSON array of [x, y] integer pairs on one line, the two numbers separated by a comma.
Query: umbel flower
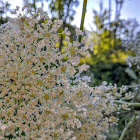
[[38, 99]]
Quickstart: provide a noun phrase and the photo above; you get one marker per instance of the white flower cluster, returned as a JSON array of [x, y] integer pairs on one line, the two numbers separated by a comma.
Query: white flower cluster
[[36, 96], [136, 48]]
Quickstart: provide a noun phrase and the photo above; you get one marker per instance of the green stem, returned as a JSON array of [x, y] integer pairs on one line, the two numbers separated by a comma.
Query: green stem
[[126, 128], [134, 86], [129, 104], [83, 17]]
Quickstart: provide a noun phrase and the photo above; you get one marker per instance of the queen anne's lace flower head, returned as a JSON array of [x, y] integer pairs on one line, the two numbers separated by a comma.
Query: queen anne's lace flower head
[[37, 98]]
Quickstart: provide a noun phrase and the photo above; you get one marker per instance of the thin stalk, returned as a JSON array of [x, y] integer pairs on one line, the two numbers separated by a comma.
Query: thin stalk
[[129, 104], [83, 17], [135, 86], [126, 128], [109, 23]]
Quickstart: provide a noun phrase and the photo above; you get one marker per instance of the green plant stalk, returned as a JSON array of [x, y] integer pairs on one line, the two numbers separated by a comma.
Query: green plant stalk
[[127, 103], [134, 86], [126, 128], [83, 17]]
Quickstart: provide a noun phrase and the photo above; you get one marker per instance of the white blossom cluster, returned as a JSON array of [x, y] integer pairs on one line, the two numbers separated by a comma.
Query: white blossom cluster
[[36, 95], [136, 48]]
